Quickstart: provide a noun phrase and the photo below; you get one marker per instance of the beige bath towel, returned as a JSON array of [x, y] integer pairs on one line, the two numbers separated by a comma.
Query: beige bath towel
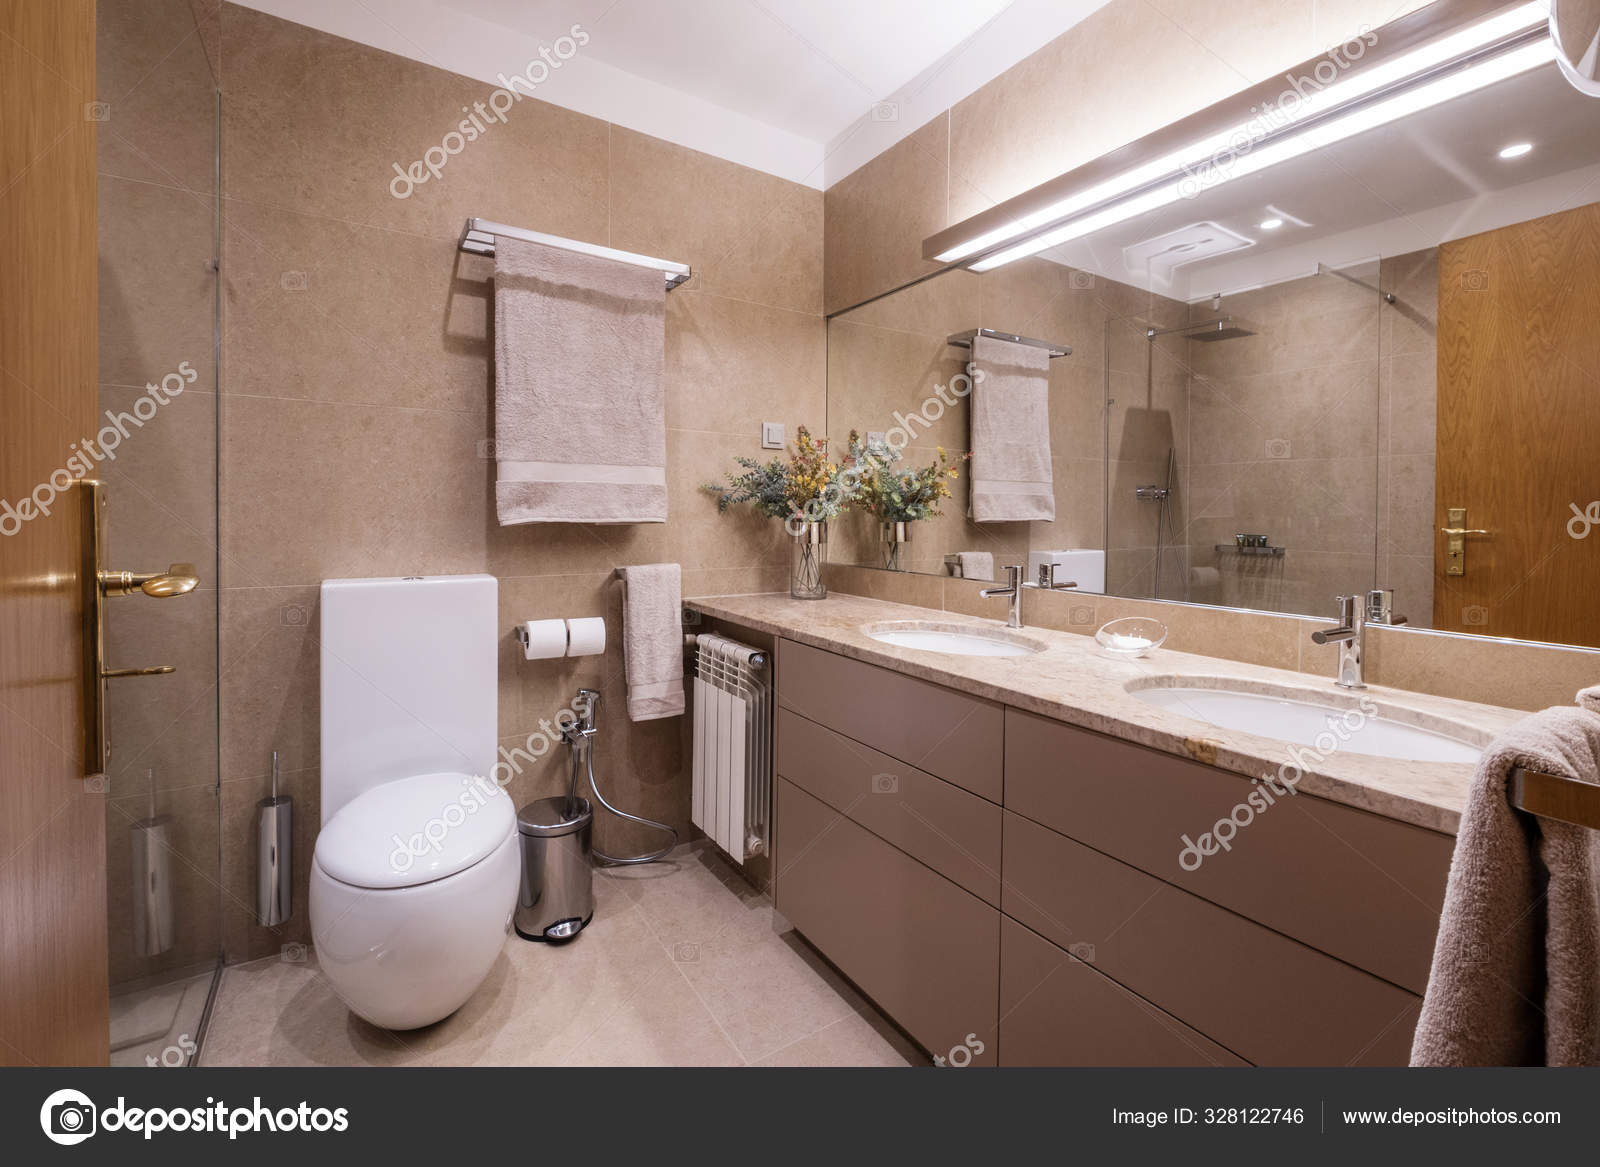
[[652, 640], [579, 407], [1012, 479], [976, 564], [1516, 967]]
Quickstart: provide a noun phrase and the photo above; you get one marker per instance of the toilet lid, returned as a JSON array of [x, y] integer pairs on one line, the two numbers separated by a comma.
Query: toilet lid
[[415, 830]]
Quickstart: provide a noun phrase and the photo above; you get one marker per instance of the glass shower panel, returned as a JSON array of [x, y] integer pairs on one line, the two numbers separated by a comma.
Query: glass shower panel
[[158, 223]]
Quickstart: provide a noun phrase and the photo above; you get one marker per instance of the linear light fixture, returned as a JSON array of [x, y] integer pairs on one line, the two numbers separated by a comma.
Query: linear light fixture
[[1305, 116]]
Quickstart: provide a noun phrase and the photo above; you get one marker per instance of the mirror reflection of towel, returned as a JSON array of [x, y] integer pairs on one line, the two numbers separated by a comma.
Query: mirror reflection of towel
[[1012, 478]]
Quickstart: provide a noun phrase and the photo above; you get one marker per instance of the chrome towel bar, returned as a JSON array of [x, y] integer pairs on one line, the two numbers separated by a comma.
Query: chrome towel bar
[[478, 237]]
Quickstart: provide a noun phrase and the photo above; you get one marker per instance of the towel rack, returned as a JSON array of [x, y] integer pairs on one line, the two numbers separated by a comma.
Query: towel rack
[[1554, 796], [965, 339], [478, 236]]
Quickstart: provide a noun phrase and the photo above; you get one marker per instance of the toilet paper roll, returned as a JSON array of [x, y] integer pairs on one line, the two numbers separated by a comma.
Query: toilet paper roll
[[586, 636], [543, 639]]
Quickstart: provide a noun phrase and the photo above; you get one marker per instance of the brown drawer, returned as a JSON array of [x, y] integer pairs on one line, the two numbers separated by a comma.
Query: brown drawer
[[1362, 887], [927, 952], [954, 832], [1055, 1010], [938, 730], [1269, 999]]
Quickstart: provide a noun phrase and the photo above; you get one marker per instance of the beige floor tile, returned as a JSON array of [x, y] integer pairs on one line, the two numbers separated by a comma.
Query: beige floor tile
[[663, 1024], [682, 966], [856, 1040]]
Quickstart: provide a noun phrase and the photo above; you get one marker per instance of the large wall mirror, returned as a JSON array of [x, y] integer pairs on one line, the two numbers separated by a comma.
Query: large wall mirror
[[1374, 364]]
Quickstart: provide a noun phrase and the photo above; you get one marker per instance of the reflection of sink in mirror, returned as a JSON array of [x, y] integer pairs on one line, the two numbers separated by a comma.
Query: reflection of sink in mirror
[[1302, 717], [955, 640]]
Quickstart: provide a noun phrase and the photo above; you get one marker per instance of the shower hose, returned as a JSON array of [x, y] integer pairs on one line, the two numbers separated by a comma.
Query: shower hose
[[583, 755]]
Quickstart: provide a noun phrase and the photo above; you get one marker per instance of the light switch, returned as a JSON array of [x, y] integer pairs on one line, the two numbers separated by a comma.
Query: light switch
[[772, 435]]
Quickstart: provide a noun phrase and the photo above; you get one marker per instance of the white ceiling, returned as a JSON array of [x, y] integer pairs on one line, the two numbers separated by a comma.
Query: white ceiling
[[811, 67], [785, 86]]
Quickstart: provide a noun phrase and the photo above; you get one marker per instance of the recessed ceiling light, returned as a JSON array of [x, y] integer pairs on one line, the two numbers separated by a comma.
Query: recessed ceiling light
[[1271, 224], [1516, 150]]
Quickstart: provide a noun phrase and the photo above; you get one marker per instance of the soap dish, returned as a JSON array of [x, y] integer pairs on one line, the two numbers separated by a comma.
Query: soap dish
[[1132, 636]]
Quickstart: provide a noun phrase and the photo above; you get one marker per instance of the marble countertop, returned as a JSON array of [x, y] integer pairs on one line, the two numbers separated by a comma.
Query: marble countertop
[[1072, 680]]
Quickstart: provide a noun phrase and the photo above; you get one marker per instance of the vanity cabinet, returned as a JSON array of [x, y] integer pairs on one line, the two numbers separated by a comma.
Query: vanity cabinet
[[981, 871]]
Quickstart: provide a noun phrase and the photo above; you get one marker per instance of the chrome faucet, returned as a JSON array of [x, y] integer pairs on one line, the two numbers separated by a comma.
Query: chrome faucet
[[1012, 590], [1348, 636]]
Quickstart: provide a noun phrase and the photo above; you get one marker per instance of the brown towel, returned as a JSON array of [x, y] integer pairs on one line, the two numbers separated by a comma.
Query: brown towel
[[1516, 967], [580, 432]]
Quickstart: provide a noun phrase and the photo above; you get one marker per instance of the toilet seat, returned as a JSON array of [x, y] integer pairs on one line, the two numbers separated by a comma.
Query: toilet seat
[[415, 830], [413, 884]]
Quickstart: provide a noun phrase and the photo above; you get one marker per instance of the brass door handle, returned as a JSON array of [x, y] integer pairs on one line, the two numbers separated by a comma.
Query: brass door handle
[[152, 671], [1455, 551]]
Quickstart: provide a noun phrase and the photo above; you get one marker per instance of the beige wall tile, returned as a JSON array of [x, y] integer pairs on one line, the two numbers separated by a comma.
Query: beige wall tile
[[758, 239], [357, 415], [874, 220]]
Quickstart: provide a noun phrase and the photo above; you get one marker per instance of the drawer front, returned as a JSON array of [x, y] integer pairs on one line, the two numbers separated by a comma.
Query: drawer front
[[926, 951], [938, 730], [1055, 1010], [1362, 887], [954, 832], [1269, 999]]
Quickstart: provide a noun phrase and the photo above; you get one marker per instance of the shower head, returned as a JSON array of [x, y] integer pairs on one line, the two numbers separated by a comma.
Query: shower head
[[1223, 329]]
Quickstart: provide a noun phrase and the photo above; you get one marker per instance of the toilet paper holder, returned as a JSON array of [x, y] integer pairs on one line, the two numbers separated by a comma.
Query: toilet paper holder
[[521, 633]]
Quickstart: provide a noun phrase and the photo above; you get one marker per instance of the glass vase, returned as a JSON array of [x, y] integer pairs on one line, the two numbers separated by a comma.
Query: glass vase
[[896, 536], [809, 553]]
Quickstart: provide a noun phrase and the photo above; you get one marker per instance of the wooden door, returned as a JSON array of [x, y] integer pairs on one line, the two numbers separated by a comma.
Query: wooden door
[[1519, 429], [53, 991]]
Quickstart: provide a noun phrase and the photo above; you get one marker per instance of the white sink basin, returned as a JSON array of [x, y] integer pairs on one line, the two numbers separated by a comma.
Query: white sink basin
[[957, 640], [1304, 718]]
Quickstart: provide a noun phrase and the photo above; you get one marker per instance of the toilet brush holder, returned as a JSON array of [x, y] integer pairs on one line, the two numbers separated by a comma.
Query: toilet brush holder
[[274, 855], [150, 848]]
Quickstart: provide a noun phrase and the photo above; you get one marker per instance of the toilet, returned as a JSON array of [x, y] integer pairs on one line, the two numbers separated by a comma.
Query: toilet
[[415, 875]]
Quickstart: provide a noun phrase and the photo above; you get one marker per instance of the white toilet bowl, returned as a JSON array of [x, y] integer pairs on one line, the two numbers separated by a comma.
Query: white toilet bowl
[[413, 886]]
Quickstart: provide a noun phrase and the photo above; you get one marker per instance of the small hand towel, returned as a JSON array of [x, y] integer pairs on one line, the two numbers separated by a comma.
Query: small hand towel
[[652, 640], [1012, 478], [976, 564], [579, 402], [1516, 966]]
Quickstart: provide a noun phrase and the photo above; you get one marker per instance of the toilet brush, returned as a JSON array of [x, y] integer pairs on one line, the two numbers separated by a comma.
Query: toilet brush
[[153, 923], [274, 855]]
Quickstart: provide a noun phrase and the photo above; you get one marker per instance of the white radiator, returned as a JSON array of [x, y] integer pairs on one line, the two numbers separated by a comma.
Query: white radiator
[[732, 746]]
